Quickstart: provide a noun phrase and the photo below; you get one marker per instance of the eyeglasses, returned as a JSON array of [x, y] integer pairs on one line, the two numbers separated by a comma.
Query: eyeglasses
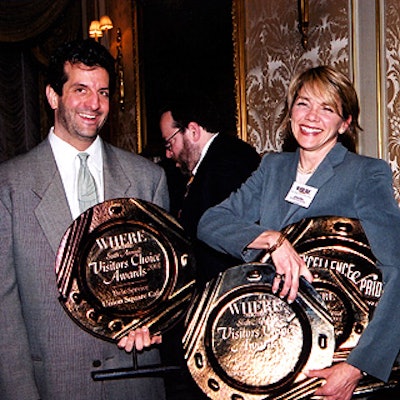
[[168, 144]]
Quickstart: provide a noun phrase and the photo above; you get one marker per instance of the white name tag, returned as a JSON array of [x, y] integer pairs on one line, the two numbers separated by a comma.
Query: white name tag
[[300, 194]]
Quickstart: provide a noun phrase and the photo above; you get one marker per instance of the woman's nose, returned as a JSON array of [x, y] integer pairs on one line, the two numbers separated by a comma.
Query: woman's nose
[[312, 114]]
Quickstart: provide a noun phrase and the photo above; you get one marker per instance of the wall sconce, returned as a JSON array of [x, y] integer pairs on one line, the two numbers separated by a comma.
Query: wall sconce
[[105, 23], [304, 19], [95, 31], [98, 28]]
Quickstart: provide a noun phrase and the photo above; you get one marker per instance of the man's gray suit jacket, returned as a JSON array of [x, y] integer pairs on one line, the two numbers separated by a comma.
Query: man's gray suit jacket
[[44, 353]]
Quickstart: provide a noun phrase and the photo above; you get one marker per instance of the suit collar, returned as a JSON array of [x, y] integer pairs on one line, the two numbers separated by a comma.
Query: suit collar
[[321, 176], [116, 183], [204, 152], [326, 169], [216, 143], [52, 210]]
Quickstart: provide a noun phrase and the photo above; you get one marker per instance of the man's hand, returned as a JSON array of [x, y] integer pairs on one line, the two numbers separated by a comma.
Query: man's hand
[[289, 265], [139, 338], [341, 381]]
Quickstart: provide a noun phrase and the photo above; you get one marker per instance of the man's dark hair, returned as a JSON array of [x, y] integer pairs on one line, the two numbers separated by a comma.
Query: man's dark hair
[[88, 52], [194, 107]]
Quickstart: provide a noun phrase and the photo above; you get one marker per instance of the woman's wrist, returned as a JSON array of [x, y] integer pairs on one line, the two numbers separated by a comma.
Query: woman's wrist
[[277, 244]]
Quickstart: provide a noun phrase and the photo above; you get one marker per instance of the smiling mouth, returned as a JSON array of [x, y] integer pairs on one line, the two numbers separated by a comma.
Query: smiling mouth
[[306, 130], [90, 117]]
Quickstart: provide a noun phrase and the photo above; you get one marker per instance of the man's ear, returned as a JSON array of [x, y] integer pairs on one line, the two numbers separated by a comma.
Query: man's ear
[[194, 131], [52, 97]]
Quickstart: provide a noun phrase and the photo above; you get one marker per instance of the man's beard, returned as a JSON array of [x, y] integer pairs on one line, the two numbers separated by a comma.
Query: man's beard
[[188, 158], [184, 168]]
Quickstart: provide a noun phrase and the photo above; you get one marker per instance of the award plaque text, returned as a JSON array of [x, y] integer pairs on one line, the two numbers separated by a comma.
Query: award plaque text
[[123, 264]]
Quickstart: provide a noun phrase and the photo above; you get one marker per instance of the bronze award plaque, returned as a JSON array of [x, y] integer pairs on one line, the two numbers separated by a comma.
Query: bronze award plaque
[[337, 251], [123, 264], [244, 342]]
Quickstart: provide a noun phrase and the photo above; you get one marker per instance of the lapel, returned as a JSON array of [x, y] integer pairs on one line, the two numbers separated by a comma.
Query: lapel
[[321, 176], [116, 182], [203, 168], [286, 179], [216, 150], [52, 211]]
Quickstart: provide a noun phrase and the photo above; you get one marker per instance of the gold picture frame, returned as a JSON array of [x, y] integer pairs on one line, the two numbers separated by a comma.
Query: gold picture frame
[[239, 60]]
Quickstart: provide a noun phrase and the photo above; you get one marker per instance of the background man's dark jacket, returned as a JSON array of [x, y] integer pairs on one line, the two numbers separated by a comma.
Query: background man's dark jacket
[[228, 163]]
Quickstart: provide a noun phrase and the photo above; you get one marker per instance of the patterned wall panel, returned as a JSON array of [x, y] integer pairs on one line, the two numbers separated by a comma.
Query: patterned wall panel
[[274, 53], [392, 50]]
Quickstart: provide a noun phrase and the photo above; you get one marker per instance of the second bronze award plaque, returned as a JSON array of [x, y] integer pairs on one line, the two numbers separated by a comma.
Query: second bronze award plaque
[[245, 343], [123, 264]]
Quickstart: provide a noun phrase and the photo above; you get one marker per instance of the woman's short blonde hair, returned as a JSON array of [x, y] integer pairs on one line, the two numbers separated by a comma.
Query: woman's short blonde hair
[[333, 87]]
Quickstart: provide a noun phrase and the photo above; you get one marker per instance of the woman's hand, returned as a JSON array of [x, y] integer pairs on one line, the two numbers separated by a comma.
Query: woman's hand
[[340, 381], [139, 338], [288, 264]]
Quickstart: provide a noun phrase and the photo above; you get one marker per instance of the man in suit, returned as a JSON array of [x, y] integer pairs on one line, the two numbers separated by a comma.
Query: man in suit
[[45, 355], [216, 164]]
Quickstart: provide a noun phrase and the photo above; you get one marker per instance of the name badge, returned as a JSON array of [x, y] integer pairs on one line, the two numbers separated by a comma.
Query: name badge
[[301, 194]]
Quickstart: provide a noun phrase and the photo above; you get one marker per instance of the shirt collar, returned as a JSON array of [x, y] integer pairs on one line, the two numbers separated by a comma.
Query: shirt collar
[[63, 151], [204, 152]]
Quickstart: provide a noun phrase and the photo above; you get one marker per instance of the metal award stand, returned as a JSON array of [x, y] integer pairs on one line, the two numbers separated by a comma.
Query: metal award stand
[[135, 371]]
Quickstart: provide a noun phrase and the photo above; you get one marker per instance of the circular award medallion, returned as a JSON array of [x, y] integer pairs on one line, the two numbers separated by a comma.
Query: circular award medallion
[[345, 274], [123, 264], [244, 342], [346, 277]]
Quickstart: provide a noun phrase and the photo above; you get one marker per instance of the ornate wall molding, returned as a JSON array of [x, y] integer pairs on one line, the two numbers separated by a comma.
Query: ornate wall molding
[[274, 53], [392, 46]]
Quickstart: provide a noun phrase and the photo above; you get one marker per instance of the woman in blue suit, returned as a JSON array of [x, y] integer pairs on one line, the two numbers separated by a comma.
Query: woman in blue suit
[[321, 178]]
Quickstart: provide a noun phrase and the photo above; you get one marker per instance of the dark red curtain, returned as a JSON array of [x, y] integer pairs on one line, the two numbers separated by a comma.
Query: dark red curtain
[[29, 32]]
